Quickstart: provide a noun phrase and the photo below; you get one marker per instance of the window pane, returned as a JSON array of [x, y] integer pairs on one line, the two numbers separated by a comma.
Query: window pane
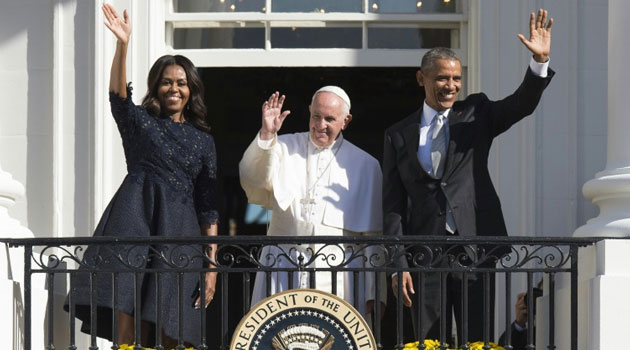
[[408, 38], [219, 5], [323, 6], [219, 38], [316, 38], [413, 6]]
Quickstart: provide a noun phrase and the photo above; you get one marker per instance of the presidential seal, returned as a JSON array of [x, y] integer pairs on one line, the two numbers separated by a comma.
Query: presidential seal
[[303, 319]]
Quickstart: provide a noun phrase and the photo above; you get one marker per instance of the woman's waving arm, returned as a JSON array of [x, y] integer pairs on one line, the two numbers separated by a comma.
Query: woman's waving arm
[[121, 27]]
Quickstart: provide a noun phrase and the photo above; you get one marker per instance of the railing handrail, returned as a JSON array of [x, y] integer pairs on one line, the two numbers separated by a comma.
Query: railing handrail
[[407, 239]]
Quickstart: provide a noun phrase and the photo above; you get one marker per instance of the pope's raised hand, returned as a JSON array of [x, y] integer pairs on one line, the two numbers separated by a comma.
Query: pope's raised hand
[[272, 116], [539, 42], [121, 27]]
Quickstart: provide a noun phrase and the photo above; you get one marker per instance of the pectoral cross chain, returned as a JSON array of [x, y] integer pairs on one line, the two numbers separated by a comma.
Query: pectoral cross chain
[[307, 203]]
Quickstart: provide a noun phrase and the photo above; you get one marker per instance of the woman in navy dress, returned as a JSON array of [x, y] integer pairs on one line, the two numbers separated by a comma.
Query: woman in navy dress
[[169, 190]]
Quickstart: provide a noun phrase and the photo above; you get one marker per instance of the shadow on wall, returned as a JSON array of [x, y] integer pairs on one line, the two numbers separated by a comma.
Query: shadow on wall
[[17, 338], [83, 117], [27, 36]]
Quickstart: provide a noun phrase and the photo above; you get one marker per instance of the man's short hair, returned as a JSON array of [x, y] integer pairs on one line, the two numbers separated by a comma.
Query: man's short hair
[[337, 91], [437, 53]]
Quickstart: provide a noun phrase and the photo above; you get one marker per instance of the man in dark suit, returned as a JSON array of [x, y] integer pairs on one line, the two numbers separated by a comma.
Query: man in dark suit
[[435, 174], [518, 328]]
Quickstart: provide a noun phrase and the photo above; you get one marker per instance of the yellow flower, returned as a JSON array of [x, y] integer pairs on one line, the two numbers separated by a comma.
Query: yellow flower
[[478, 345], [428, 343], [435, 345], [130, 347]]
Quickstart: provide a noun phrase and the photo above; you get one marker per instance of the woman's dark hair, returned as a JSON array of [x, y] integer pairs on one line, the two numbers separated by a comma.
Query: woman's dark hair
[[195, 109]]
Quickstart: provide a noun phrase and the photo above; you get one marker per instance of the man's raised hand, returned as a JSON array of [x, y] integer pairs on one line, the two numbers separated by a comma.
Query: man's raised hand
[[539, 42], [272, 116]]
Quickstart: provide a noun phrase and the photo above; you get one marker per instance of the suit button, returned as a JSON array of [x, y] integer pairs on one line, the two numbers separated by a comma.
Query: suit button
[[443, 184]]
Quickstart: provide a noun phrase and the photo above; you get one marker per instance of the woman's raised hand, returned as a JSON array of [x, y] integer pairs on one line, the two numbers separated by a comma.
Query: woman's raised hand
[[121, 27], [272, 116]]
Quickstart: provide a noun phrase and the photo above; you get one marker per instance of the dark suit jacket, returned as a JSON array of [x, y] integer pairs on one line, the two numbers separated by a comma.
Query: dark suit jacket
[[414, 203], [519, 338]]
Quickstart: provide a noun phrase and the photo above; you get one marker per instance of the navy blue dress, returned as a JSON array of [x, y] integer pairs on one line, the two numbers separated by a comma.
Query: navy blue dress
[[169, 191]]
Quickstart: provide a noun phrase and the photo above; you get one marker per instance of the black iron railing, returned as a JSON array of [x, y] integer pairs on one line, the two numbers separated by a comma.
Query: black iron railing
[[240, 257]]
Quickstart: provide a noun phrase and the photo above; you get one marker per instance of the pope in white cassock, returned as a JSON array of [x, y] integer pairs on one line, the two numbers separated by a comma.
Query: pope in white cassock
[[315, 183]]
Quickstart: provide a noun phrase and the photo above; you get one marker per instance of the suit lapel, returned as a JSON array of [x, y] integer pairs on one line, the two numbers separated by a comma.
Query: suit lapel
[[411, 135], [454, 118]]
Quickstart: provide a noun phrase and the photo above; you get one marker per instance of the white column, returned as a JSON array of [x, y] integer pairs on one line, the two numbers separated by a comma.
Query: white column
[[610, 189], [604, 276]]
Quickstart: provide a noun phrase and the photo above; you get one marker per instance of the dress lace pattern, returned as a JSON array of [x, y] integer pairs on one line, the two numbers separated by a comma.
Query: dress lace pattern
[[178, 155]]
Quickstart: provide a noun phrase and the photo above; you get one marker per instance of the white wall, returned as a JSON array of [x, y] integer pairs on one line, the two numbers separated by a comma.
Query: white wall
[[540, 165], [45, 127], [25, 125], [592, 97]]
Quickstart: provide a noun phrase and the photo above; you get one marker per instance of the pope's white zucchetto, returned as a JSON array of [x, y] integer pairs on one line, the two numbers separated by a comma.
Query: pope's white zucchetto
[[335, 90]]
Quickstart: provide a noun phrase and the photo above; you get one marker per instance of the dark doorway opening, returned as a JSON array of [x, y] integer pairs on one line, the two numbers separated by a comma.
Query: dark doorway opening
[[234, 96]]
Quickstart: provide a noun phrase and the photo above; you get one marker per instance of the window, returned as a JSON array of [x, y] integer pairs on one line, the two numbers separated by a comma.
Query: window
[[303, 32]]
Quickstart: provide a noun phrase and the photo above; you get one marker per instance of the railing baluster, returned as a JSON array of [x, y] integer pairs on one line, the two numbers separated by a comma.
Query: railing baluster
[[312, 278], [377, 309], [486, 309], [180, 311], [158, 311], [421, 300], [51, 317], [115, 311], [552, 308], [137, 311], [508, 311], [399, 311], [333, 281], [71, 310], [202, 308], [355, 290], [225, 337], [246, 293], [137, 314], [28, 250], [530, 311], [93, 319], [291, 279], [574, 296], [443, 313], [268, 282], [464, 308]]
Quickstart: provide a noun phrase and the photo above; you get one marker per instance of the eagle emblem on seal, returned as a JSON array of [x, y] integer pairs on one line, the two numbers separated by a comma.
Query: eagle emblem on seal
[[303, 336]]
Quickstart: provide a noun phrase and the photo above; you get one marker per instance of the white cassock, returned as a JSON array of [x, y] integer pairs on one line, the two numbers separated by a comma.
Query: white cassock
[[312, 191]]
